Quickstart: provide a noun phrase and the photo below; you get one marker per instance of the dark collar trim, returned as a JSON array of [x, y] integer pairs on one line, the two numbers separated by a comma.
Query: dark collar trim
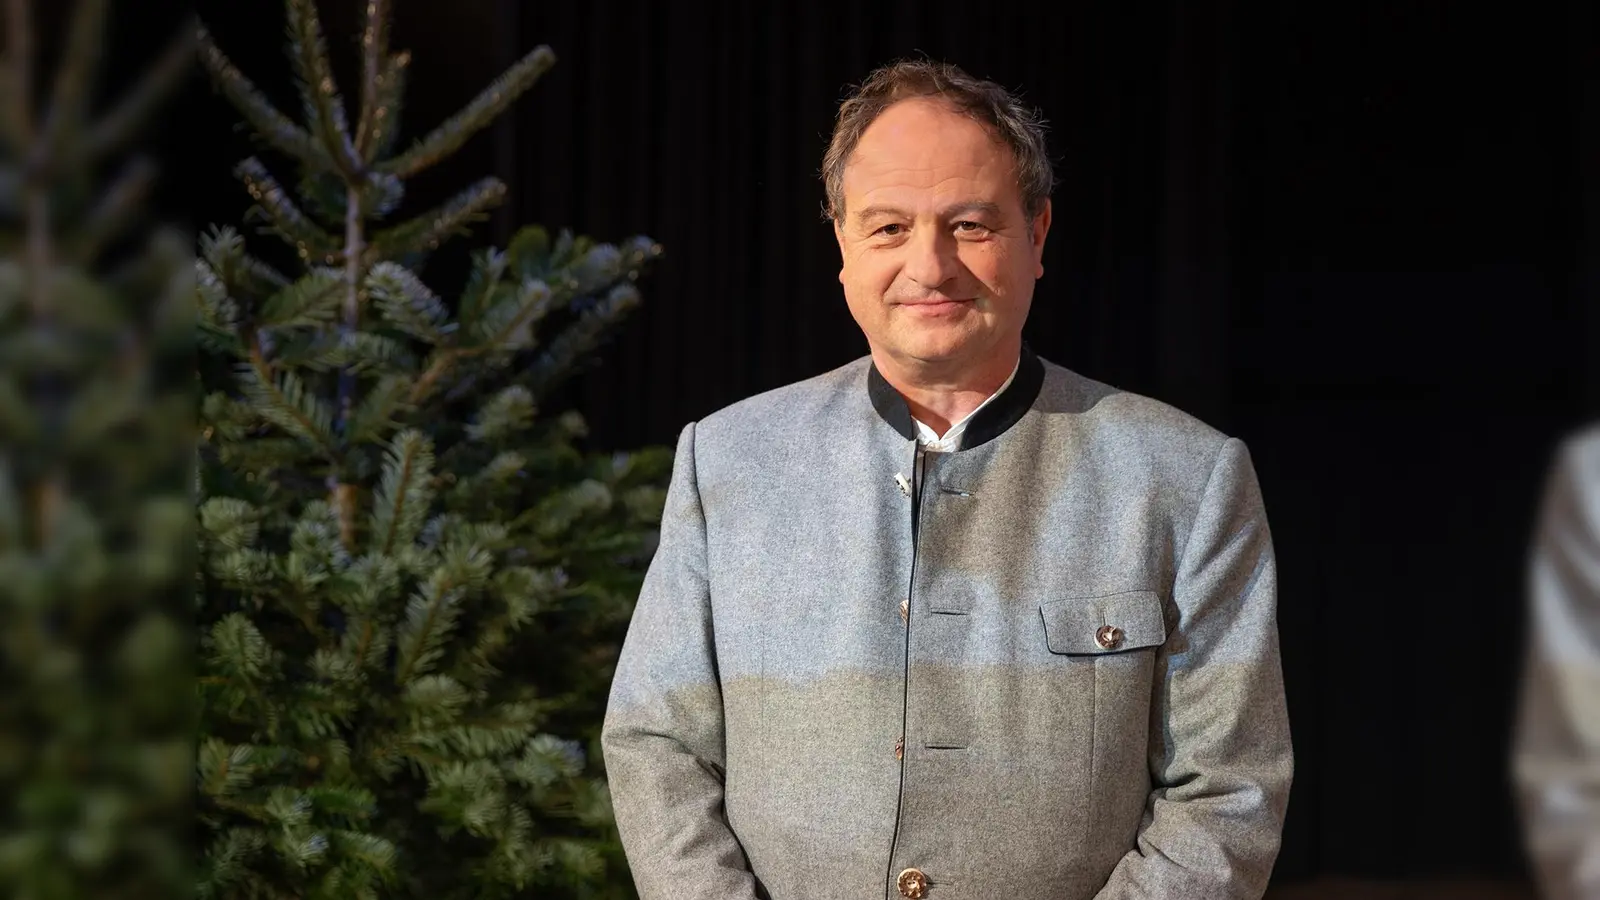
[[990, 422]]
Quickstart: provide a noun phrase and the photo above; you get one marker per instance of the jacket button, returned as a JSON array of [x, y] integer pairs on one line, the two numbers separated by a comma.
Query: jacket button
[[1108, 637], [912, 883], [905, 610], [900, 748]]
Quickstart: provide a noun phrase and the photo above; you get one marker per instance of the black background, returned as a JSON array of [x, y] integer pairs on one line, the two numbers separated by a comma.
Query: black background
[[1362, 236]]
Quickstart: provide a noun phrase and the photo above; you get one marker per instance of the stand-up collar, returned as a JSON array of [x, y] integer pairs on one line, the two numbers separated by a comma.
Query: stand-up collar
[[989, 423]]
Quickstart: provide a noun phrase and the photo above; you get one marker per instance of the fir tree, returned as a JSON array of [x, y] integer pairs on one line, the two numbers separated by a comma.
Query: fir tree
[[411, 581], [96, 455]]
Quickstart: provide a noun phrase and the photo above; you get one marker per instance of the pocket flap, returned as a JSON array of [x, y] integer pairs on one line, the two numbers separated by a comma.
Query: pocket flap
[[1109, 624]]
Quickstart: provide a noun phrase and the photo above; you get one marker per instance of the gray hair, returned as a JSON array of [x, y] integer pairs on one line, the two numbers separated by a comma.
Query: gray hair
[[1017, 126]]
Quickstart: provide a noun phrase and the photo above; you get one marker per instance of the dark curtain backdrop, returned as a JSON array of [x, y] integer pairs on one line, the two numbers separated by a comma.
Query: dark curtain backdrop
[[1361, 236]]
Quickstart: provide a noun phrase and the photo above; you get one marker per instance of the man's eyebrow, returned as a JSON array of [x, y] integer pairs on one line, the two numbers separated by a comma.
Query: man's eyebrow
[[968, 207], [877, 210]]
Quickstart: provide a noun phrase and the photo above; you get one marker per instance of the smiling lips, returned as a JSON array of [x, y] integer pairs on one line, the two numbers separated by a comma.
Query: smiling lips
[[935, 307]]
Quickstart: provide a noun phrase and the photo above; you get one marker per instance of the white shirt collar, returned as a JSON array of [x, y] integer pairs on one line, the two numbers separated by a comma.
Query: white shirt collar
[[951, 440]]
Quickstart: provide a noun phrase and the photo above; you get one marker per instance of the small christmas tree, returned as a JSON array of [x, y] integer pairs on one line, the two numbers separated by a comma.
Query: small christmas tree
[[401, 560]]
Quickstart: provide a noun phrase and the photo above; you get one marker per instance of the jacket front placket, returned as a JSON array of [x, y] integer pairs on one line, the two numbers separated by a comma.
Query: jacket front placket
[[935, 726]]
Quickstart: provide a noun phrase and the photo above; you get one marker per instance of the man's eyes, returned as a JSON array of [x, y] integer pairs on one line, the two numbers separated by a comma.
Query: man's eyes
[[966, 226]]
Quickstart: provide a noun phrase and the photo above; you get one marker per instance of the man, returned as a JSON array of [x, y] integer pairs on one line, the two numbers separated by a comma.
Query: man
[[1557, 750], [951, 622]]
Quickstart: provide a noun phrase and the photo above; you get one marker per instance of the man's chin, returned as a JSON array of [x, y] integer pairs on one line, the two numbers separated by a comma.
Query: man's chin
[[936, 352]]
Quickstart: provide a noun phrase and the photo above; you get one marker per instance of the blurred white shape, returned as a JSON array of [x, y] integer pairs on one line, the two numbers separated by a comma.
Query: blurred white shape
[[1556, 764]]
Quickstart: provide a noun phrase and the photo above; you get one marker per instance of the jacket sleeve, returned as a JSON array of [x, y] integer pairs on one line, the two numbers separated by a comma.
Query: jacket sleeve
[[662, 739], [1220, 756], [1556, 762]]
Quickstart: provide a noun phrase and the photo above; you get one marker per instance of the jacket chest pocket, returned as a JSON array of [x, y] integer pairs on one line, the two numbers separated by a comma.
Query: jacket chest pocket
[[1110, 644], [1114, 640], [1104, 625]]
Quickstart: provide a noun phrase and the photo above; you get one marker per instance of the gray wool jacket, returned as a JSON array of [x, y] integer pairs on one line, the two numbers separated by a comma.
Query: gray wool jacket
[[1083, 698]]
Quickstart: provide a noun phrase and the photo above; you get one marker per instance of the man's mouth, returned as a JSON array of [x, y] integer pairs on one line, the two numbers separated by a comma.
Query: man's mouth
[[934, 307]]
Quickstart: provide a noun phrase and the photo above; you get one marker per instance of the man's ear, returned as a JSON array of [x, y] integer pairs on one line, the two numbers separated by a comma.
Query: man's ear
[[838, 235], [1041, 229]]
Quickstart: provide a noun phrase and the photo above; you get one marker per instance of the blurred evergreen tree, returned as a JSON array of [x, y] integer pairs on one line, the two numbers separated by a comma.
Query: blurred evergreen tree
[[96, 453]]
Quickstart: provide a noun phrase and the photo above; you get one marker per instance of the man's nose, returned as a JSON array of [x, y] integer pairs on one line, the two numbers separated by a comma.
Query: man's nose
[[931, 258]]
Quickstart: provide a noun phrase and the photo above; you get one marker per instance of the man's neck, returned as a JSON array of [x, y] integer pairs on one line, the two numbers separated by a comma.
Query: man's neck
[[939, 396]]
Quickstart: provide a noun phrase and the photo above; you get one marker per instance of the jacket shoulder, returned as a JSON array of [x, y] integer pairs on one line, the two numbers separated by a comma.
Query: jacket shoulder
[[796, 410], [1125, 421], [1573, 473], [1581, 448]]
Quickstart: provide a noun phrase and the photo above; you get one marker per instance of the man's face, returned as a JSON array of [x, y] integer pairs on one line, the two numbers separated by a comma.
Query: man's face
[[939, 260]]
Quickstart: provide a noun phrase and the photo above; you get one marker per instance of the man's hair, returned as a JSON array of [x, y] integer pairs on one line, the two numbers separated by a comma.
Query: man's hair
[[1017, 126]]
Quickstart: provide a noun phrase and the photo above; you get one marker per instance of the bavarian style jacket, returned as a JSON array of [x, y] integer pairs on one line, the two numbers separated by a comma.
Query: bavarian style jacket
[[1042, 666]]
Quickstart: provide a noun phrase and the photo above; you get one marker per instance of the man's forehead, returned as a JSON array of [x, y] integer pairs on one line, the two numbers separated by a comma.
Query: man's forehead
[[925, 134], [922, 146]]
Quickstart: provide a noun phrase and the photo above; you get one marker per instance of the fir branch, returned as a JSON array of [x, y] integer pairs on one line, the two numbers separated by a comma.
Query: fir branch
[[525, 591], [320, 95], [439, 362], [366, 352], [130, 113], [509, 324], [494, 736], [560, 360], [469, 794], [374, 55], [117, 209], [69, 98], [223, 250], [404, 494], [312, 541], [406, 303], [488, 267], [230, 522], [312, 302], [309, 241], [366, 643], [507, 414], [390, 105], [350, 354], [428, 230], [284, 401], [372, 583], [282, 458], [381, 195], [495, 476], [227, 863], [434, 697], [18, 109], [430, 617], [546, 761], [580, 859], [271, 126], [493, 100], [239, 651], [354, 236], [217, 316], [224, 770], [296, 348], [98, 409], [370, 850]]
